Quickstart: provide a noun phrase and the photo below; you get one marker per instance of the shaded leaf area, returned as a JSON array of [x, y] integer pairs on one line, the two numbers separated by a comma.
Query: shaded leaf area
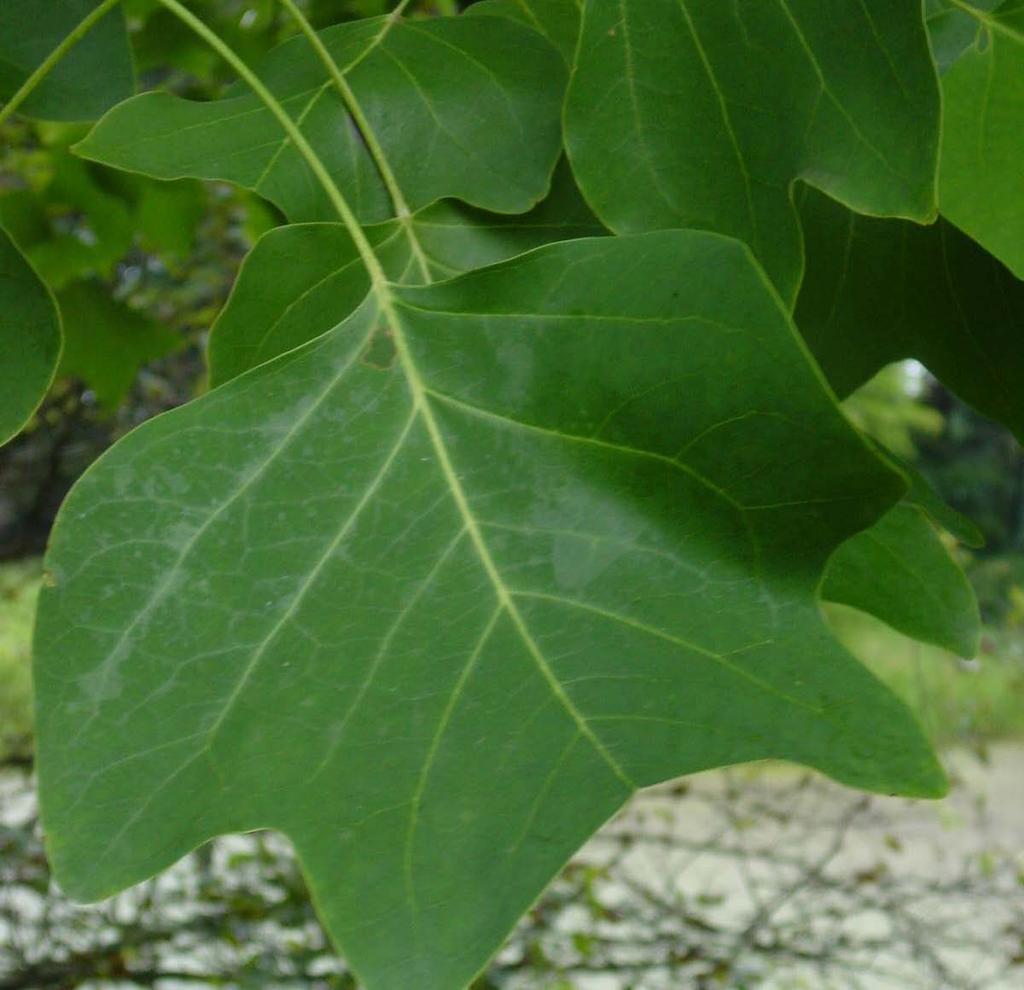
[[30, 339], [981, 180], [470, 597], [877, 291], [300, 281], [557, 20], [106, 342], [670, 122], [410, 78], [95, 74], [952, 30], [75, 220], [900, 571]]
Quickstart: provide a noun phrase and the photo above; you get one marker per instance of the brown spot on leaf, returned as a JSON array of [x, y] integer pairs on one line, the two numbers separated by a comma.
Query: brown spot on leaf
[[380, 351]]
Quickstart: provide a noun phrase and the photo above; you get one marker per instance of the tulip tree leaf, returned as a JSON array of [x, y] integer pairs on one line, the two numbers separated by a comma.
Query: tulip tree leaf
[[703, 113], [30, 339], [877, 291], [981, 175], [434, 593], [901, 572], [300, 281], [411, 79], [557, 20], [95, 74]]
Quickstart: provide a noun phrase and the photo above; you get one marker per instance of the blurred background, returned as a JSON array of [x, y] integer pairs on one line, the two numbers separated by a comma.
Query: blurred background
[[764, 876]]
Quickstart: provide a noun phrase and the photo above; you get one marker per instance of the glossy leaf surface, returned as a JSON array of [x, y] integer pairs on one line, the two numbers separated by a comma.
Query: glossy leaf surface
[[30, 339], [495, 152], [95, 74], [703, 113], [434, 593], [877, 291]]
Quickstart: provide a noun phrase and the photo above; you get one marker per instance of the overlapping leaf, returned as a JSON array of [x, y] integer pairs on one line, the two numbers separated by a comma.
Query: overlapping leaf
[[495, 151], [702, 114], [877, 291], [457, 567], [95, 74], [557, 20], [302, 280], [900, 571], [435, 592], [981, 179], [30, 339]]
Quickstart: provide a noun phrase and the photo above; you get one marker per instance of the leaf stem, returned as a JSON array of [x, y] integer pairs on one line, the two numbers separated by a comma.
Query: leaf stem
[[304, 148], [46, 66], [348, 97]]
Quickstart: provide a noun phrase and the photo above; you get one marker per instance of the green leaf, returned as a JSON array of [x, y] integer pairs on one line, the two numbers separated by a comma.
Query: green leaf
[[30, 339], [434, 593], [924, 497], [951, 30], [94, 75], [168, 215], [901, 572], [557, 20], [877, 291], [411, 78], [302, 280], [981, 178], [703, 113], [105, 342]]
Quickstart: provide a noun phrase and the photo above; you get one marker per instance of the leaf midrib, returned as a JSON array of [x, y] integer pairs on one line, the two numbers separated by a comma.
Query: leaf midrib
[[422, 406], [382, 288]]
